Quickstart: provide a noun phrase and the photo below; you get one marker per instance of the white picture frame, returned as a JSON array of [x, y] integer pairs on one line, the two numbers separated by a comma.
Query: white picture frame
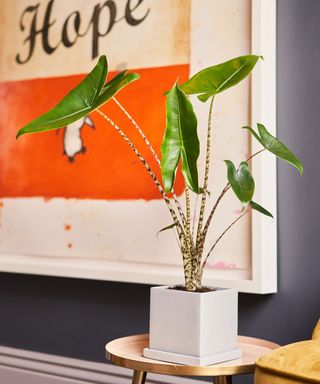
[[264, 231]]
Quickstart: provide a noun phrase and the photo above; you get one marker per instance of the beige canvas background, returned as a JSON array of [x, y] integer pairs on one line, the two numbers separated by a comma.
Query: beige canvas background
[[201, 33]]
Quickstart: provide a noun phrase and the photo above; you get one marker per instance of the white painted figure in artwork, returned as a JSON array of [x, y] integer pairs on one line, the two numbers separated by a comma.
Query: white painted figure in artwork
[[72, 140]]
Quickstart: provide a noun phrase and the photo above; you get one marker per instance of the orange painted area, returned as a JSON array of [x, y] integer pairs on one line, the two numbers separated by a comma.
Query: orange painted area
[[35, 165]]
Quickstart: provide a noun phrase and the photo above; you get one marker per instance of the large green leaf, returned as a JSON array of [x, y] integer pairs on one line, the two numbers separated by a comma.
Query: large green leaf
[[218, 78], [260, 209], [273, 145], [80, 101], [241, 181], [180, 141]]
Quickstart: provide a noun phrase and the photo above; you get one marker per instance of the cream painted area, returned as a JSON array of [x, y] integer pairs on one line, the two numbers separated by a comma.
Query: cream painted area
[[160, 39]]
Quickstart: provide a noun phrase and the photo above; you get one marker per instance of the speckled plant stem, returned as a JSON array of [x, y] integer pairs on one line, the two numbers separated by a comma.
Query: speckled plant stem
[[212, 212], [220, 237], [179, 228], [206, 177], [156, 157]]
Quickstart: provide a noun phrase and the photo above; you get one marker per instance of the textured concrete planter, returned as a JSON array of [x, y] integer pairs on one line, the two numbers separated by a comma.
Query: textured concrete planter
[[193, 328]]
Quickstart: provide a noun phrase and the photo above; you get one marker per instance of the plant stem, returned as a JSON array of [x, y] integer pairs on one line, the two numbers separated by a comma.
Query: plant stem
[[134, 123], [190, 283], [194, 215], [190, 266], [220, 237], [181, 233], [206, 177], [255, 154], [156, 157], [225, 189], [207, 224], [188, 220]]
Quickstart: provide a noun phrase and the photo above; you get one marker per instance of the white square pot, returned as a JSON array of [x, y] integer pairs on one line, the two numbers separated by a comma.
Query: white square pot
[[193, 328]]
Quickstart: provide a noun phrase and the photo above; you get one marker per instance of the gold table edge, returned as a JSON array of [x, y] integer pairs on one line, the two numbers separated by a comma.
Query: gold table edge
[[184, 370]]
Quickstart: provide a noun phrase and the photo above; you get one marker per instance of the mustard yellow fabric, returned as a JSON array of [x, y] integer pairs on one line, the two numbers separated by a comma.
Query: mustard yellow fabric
[[316, 331], [300, 361]]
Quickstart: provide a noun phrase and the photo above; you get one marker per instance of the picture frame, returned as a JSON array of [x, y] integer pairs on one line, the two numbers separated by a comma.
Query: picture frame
[[261, 275]]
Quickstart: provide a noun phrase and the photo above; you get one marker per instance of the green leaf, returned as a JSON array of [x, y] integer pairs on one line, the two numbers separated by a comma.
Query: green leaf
[[115, 85], [260, 209], [74, 105], [180, 141], [82, 100], [218, 78], [118, 77], [254, 133], [273, 145], [166, 228], [241, 181]]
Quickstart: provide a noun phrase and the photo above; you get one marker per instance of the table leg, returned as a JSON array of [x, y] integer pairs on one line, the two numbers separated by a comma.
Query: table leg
[[222, 380], [139, 377]]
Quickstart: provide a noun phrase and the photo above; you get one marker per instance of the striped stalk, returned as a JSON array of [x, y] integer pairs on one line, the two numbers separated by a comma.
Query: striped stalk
[[206, 177], [206, 227], [224, 191], [220, 237], [192, 255], [180, 230], [156, 157]]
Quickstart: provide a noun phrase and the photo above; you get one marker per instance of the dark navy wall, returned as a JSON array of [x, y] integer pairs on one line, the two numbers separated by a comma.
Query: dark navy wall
[[76, 317]]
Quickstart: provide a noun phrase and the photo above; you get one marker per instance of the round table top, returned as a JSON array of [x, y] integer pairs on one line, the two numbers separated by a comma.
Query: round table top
[[127, 352]]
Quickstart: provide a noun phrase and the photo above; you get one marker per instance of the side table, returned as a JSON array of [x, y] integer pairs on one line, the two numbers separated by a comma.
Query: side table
[[127, 352]]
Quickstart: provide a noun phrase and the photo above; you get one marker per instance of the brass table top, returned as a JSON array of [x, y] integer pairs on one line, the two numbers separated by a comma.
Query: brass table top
[[127, 352]]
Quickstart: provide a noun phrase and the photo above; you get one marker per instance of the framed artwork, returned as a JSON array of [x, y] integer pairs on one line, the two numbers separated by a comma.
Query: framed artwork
[[76, 202]]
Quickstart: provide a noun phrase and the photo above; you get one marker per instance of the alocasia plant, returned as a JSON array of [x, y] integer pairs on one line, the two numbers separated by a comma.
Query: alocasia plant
[[180, 144]]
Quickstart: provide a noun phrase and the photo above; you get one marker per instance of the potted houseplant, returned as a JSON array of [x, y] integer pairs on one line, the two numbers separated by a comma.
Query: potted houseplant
[[190, 324]]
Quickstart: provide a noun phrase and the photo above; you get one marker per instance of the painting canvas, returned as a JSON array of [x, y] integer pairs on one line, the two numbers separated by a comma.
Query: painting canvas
[[76, 201]]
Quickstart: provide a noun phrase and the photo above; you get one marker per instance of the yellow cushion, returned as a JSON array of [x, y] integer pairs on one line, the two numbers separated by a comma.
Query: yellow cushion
[[299, 360], [316, 331]]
